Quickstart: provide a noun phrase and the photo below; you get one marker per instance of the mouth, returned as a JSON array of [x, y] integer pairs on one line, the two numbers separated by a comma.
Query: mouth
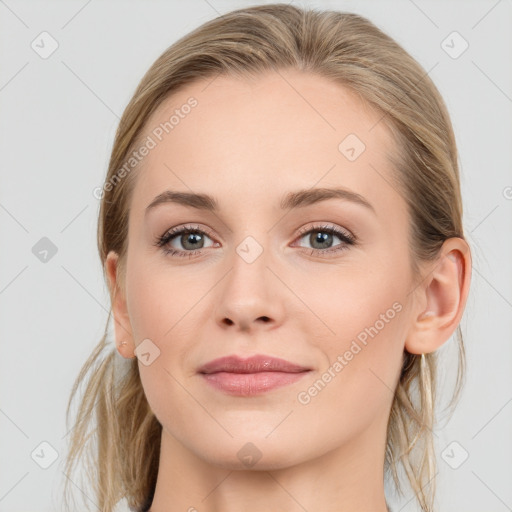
[[253, 376]]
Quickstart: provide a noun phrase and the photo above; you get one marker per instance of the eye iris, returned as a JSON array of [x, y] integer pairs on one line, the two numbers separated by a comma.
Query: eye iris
[[192, 238], [323, 238]]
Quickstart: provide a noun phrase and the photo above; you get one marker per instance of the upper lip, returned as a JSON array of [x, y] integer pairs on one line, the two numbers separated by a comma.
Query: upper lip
[[254, 364]]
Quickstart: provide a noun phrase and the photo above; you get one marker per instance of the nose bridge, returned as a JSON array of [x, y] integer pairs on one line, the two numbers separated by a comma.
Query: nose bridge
[[248, 294], [249, 280]]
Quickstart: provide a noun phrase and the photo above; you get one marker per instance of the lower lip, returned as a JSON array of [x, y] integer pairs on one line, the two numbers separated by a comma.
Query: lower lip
[[247, 384]]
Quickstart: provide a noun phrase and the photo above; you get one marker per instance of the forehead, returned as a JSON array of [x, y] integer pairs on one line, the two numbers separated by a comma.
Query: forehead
[[278, 131]]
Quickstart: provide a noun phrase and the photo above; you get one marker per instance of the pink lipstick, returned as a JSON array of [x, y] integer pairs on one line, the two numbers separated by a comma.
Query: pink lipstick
[[252, 376]]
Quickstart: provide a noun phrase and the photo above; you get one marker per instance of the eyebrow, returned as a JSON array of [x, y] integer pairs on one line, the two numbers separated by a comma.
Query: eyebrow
[[297, 199]]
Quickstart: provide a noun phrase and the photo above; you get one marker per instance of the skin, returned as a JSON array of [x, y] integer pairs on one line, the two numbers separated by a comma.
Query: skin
[[249, 142]]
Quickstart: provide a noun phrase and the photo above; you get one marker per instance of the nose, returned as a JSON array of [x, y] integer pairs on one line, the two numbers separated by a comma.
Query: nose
[[251, 297]]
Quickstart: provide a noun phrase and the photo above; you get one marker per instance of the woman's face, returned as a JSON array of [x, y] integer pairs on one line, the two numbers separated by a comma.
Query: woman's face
[[280, 268]]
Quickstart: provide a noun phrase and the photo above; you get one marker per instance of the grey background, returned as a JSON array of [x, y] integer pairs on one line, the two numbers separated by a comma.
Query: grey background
[[58, 119]]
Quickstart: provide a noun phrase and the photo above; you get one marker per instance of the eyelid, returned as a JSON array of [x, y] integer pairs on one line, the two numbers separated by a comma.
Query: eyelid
[[188, 227], [302, 231], [328, 227]]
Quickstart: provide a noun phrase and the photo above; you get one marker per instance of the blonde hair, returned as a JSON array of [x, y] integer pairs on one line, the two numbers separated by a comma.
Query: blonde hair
[[115, 427]]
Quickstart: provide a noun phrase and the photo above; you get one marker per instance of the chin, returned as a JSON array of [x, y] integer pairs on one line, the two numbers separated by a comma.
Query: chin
[[261, 462], [250, 452]]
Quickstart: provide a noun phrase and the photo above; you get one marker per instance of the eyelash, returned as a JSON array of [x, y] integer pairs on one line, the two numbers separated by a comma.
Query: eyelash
[[346, 238]]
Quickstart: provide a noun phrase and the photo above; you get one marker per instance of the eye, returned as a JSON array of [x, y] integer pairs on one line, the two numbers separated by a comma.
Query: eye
[[184, 241], [322, 239], [190, 240]]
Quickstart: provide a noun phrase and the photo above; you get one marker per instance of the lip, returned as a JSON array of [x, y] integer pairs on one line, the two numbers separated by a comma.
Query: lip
[[251, 376]]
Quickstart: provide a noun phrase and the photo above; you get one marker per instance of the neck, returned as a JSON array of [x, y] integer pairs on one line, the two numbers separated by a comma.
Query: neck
[[343, 480]]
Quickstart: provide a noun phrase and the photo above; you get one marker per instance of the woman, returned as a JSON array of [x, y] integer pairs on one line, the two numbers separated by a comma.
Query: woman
[[281, 233]]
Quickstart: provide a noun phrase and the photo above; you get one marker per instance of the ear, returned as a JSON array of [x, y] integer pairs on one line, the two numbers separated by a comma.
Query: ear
[[123, 330], [441, 298]]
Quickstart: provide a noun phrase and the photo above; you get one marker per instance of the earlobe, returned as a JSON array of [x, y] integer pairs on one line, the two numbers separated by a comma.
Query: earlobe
[[124, 349], [122, 326], [444, 293]]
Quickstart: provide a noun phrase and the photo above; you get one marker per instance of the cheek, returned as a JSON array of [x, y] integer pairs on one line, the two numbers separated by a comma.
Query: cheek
[[160, 299], [159, 306], [163, 306], [347, 302], [364, 323]]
